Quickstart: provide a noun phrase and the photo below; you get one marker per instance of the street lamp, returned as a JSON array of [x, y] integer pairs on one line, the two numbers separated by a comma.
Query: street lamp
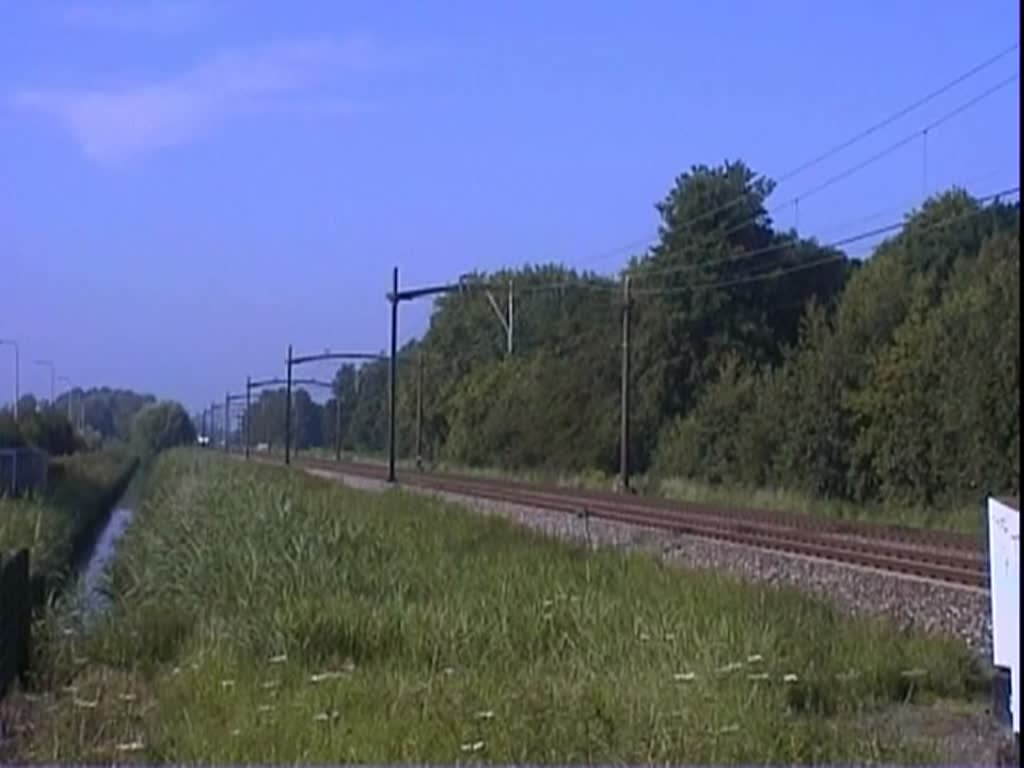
[[17, 366], [53, 375], [67, 381]]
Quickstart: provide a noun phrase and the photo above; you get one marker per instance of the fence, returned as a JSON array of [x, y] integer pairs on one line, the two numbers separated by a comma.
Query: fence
[[22, 470], [15, 619]]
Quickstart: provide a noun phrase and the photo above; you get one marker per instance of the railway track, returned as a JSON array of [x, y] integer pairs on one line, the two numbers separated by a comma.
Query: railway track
[[941, 556]]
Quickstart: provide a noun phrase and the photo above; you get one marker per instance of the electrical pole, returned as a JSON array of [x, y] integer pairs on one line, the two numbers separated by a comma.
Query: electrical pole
[[53, 375], [395, 297], [511, 319], [392, 394], [298, 415], [506, 317], [248, 414], [17, 373], [288, 412], [419, 406], [337, 420], [66, 380], [227, 422], [624, 407], [204, 432]]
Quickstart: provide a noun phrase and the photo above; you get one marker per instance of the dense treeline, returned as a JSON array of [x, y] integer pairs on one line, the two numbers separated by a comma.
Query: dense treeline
[[48, 430], [98, 416], [892, 379]]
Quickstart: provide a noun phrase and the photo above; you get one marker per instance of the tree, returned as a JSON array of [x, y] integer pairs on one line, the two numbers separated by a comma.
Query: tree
[[110, 412], [941, 409], [160, 426], [49, 430], [903, 390], [10, 433], [714, 236]]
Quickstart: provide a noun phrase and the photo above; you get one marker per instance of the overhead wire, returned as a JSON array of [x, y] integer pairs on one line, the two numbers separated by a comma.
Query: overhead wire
[[961, 108], [607, 285], [859, 237], [611, 286], [870, 160], [847, 173], [837, 148]]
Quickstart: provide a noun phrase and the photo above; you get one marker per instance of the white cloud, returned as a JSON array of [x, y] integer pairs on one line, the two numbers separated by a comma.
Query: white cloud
[[115, 124]]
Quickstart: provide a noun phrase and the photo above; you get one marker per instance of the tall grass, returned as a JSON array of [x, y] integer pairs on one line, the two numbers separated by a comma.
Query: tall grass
[[684, 489], [262, 615], [54, 524]]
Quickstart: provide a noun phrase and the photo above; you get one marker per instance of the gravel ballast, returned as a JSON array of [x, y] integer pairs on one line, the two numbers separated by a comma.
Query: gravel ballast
[[910, 601], [968, 737]]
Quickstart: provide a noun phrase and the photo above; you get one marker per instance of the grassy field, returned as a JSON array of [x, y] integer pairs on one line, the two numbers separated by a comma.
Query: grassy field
[[682, 489], [80, 491], [265, 616]]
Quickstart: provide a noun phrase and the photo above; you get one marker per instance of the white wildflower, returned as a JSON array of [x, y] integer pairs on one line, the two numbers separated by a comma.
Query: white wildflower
[[127, 697], [685, 677], [485, 714], [758, 676], [474, 746], [789, 677], [130, 746], [265, 708], [280, 659], [729, 728], [227, 683], [755, 658], [915, 672], [320, 677], [732, 666], [86, 704]]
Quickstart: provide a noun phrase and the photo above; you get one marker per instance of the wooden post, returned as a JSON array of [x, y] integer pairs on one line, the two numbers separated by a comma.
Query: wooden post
[[15, 620]]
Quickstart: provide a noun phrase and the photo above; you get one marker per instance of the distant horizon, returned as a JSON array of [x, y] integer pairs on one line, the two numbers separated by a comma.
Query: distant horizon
[[191, 187]]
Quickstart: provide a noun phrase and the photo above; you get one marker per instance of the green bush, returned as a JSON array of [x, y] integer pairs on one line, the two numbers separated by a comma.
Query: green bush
[[160, 426]]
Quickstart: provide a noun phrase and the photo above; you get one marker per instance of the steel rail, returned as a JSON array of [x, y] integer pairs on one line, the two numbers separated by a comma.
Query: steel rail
[[902, 550]]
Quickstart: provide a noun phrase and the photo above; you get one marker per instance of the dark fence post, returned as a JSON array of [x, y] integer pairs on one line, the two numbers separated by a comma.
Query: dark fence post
[[15, 620]]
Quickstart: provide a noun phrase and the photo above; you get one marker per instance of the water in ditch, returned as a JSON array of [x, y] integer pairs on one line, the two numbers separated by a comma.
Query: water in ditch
[[94, 597], [92, 594]]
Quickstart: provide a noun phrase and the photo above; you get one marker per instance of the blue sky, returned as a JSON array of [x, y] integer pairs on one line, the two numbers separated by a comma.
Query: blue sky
[[187, 187]]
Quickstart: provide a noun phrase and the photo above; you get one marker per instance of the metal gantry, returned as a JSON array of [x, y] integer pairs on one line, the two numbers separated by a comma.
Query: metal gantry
[[228, 400], [251, 384], [396, 297], [294, 360]]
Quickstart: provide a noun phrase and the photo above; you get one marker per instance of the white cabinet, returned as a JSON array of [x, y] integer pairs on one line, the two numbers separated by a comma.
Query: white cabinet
[[1004, 567]]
